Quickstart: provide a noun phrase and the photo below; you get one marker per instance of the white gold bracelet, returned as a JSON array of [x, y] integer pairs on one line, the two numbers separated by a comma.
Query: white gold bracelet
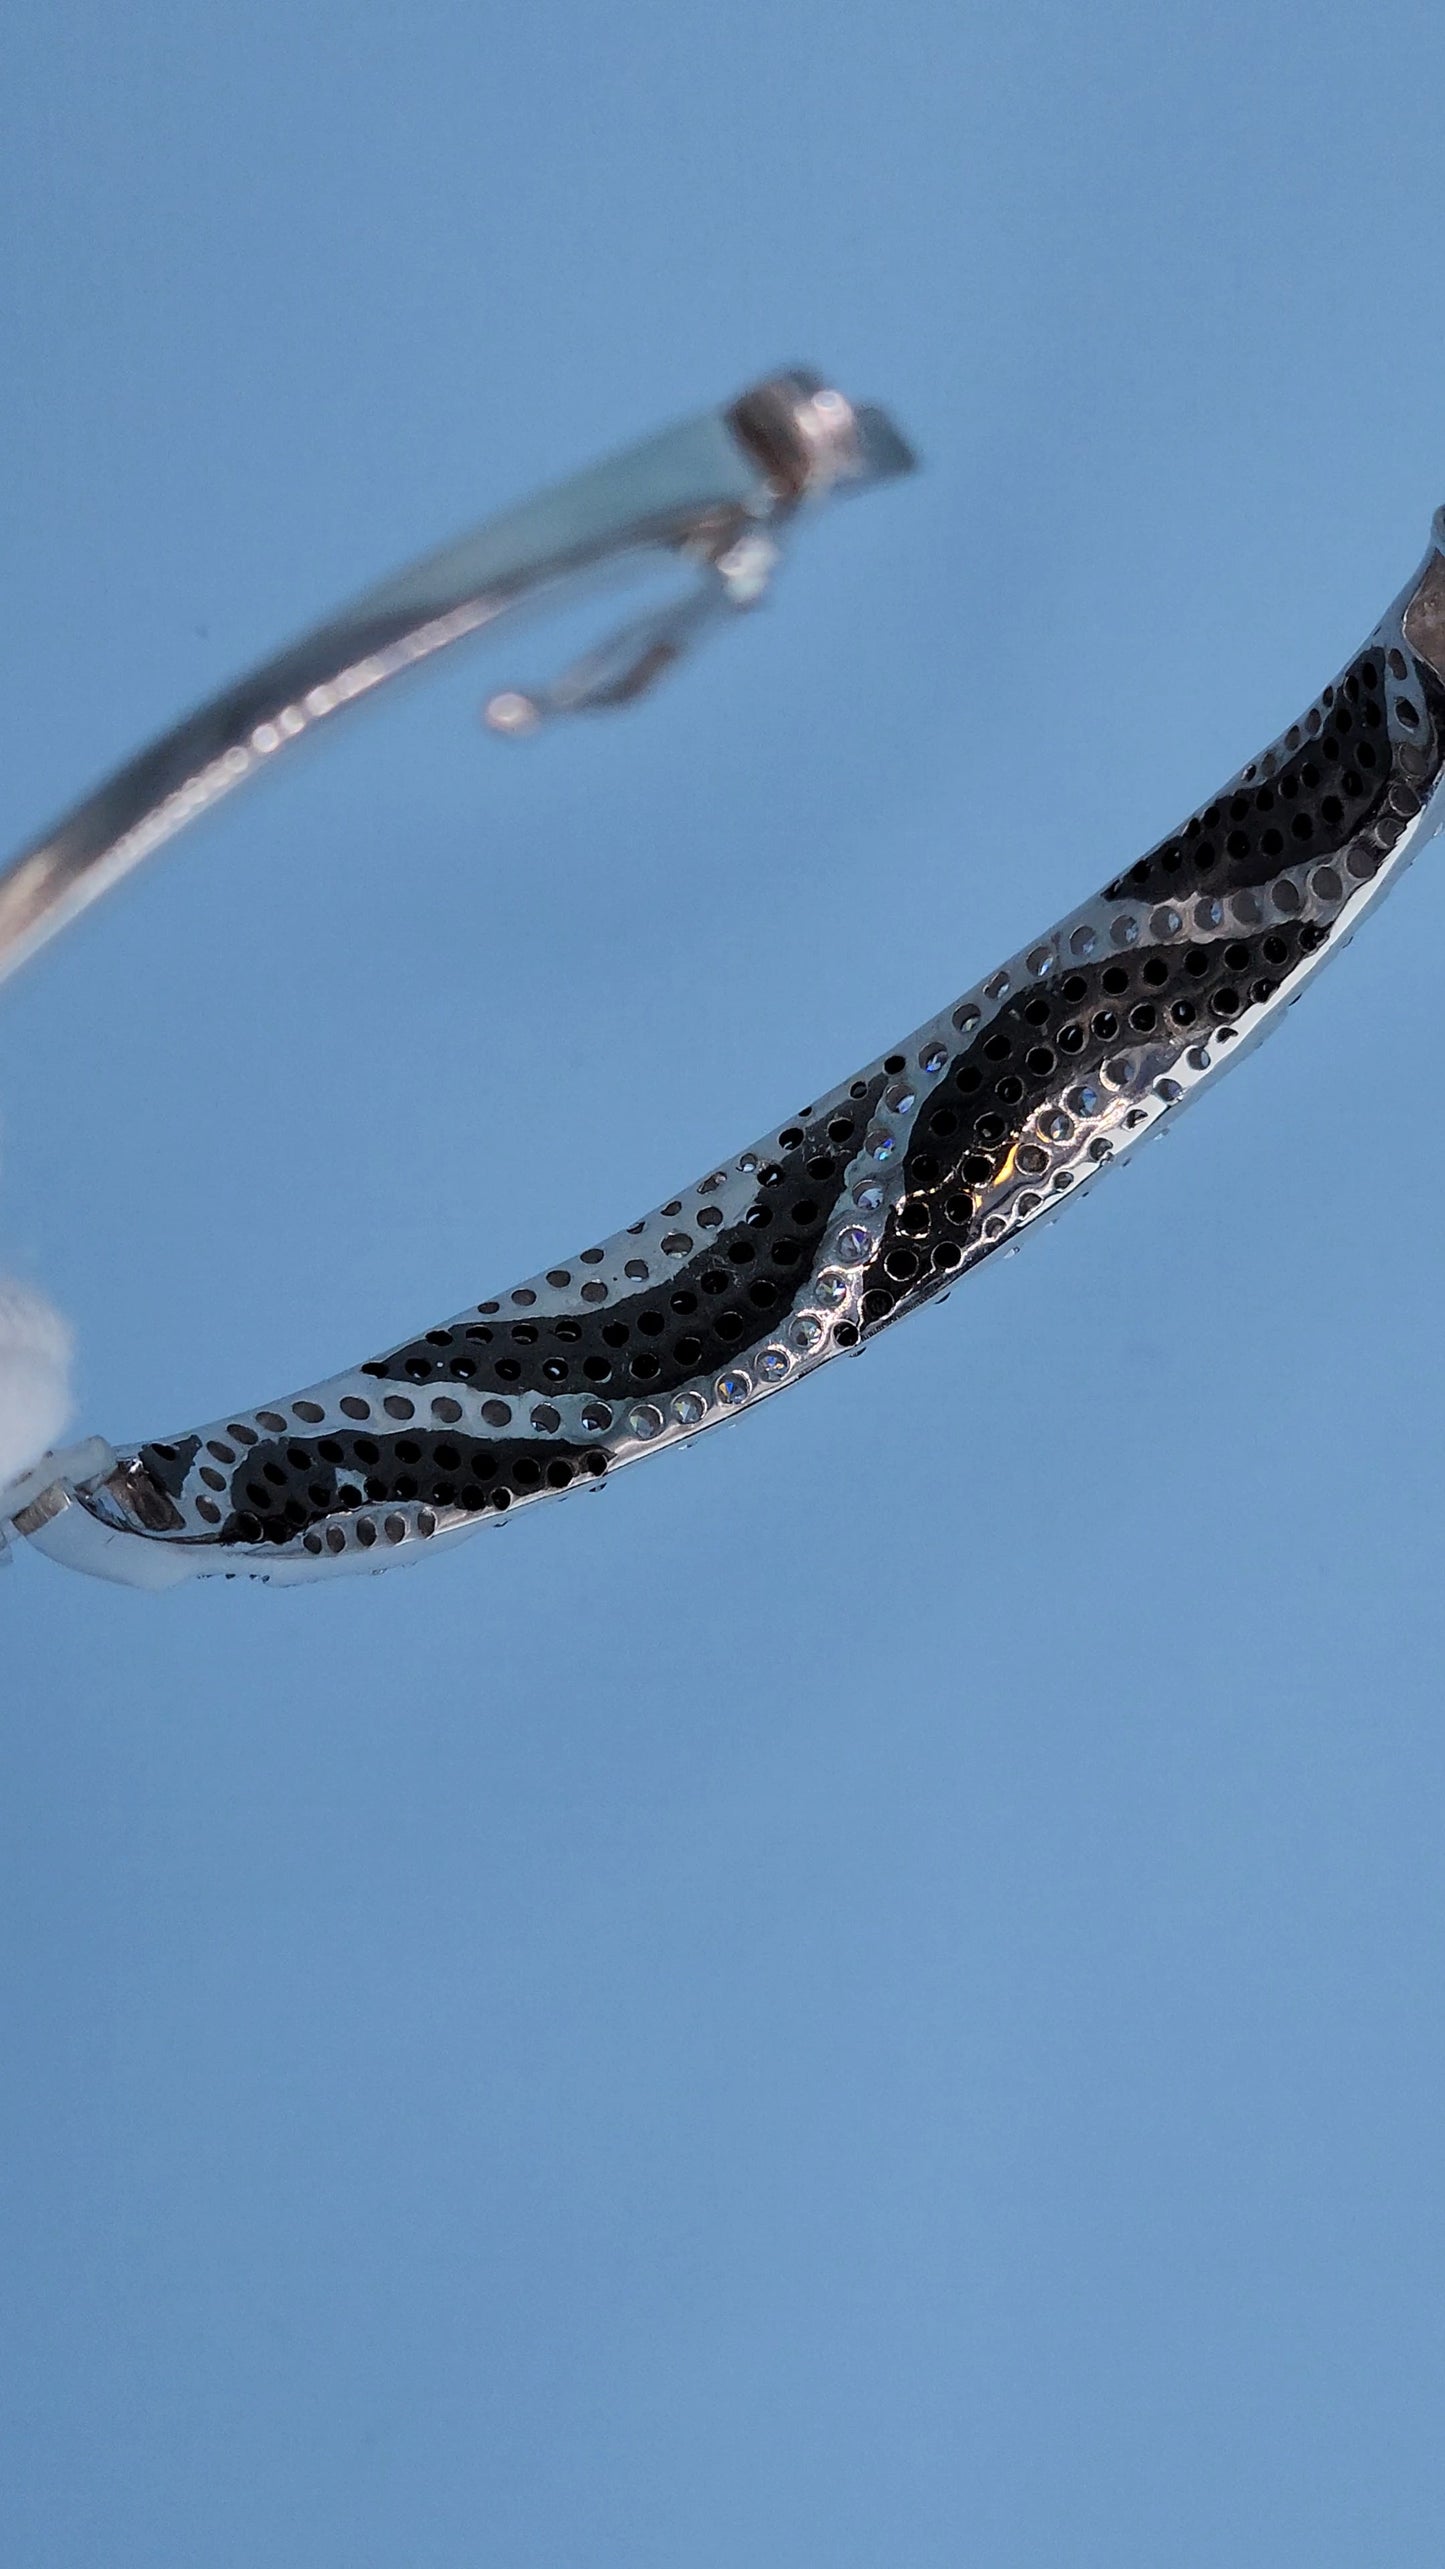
[[860, 1206]]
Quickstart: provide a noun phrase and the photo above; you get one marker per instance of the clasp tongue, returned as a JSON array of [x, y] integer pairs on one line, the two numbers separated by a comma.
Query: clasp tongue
[[732, 575], [807, 444]]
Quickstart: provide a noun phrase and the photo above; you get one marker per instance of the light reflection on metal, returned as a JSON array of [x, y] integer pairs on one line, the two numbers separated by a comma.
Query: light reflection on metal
[[869, 1201], [717, 495]]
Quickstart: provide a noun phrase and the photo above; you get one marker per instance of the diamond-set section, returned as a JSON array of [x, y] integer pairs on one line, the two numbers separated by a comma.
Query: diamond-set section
[[868, 1201]]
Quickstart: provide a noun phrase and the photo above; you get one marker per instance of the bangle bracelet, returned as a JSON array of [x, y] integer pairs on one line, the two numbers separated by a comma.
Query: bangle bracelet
[[864, 1204]]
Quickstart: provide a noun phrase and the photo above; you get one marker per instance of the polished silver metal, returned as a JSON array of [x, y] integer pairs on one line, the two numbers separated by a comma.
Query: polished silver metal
[[967, 1136], [716, 496], [715, 499]]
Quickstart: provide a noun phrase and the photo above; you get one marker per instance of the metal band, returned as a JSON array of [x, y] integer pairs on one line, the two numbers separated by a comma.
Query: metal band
[[865, 1203]]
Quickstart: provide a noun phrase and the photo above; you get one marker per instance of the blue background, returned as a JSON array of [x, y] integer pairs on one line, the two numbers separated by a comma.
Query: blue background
[[876, 1999]]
